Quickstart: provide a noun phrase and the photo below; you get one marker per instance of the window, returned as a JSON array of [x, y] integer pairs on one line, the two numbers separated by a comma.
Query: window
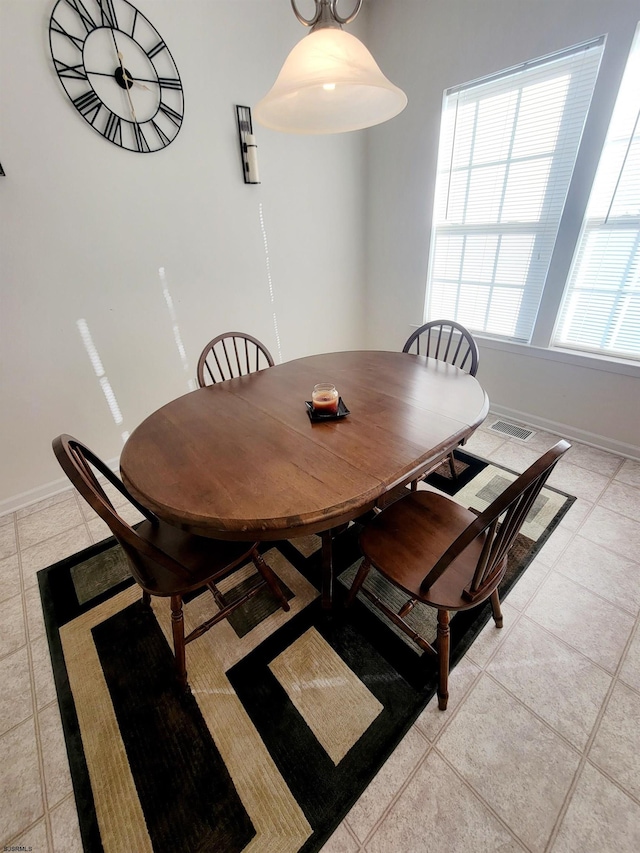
[[508, 145], [601, 307]]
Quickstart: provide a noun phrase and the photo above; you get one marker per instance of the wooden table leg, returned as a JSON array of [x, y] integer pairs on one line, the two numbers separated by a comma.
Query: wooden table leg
[[327, 570]]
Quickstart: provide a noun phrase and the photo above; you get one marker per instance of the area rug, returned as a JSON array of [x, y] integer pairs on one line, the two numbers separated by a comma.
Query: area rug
[[291, 715]]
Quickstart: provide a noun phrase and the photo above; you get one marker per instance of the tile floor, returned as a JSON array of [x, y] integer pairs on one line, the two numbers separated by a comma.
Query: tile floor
[[538, 751]]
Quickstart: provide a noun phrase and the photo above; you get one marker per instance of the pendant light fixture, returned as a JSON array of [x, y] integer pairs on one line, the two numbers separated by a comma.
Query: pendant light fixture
[[329, 83]]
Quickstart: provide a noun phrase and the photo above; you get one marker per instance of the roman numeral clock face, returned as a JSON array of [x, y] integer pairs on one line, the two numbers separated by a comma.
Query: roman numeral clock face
[[118, 72]]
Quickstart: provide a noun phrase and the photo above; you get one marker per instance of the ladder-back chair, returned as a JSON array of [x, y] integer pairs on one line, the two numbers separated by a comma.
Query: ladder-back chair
[[447, 557], [164, 560]]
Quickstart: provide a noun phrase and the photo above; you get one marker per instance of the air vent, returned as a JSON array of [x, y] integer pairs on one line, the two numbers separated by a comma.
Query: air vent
[[512, 430]]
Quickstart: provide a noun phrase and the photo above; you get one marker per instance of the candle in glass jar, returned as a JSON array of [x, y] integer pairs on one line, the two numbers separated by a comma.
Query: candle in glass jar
[[325, 399]]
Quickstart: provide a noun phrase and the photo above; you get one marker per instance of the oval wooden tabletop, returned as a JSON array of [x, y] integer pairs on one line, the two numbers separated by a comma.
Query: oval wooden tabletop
[[241, 459]]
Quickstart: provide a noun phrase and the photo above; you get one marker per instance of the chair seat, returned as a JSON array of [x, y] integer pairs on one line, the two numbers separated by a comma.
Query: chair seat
[[406, 540], [204, 559]]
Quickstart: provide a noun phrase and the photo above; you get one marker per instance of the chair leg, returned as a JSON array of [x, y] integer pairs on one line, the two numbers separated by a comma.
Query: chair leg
[[146, 598], [218, 597], [443, 659], [495, 607], [272, 581], [414, 485], [177, 625], [359, 579], [452, 466]]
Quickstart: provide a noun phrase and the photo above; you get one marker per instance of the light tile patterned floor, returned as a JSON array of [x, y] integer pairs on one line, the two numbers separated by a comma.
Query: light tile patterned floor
[[539, 749]]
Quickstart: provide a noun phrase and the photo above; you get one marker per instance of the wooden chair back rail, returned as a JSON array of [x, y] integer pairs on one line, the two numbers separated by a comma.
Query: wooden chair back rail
[[85, 461], [231, 354], [515, 501], [77, 463], [440, 337]]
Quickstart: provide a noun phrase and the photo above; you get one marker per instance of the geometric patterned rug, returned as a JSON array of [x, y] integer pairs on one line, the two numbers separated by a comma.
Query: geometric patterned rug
[[291, 714]]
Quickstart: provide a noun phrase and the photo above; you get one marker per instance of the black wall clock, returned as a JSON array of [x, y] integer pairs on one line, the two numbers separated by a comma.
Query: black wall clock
[[118, 72]]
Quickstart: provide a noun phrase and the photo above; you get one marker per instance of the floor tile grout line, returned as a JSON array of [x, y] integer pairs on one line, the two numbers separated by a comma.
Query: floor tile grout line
[[18, 648], [587, 514], [478, 796], [17, 725], [83, 525], [619, 512], [561, 552], [613, 781], [578, 750], [503, 638], [84, 517], [349, 831], [453, 712], [36, 710], [548, 571], [11, 842], [602, 598], [34, 694], [583, 754], [69, 796], [590, 741], [594, 470], [430, 748], [610, 547], [378, 823], [568, 645]]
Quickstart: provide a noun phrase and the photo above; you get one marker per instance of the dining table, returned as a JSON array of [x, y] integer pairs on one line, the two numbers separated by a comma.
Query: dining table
[[243, 459]]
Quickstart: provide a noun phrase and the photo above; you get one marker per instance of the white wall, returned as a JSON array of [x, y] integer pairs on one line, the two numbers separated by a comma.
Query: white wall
[[426, 47], [85, 228]]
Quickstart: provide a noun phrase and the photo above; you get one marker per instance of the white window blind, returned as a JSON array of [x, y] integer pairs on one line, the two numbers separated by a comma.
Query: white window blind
[[601, 306], [508, 145]]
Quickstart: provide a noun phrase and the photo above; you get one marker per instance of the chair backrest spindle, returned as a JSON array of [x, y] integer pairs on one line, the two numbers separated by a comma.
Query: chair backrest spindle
[[231, 354], [448, 341], [499, 524]]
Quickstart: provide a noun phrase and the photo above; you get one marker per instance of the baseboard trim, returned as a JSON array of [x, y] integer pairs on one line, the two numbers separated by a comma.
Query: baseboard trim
[[600, 442], [40, 493]]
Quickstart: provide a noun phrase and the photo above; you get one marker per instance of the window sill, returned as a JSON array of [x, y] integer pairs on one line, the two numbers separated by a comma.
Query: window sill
[[588, 361]]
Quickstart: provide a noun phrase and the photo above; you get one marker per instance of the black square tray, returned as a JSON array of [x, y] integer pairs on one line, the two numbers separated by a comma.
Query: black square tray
[[316, 418]]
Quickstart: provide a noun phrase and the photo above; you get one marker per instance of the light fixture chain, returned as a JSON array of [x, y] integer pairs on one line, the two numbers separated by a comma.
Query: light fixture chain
[[324, 5], [350, 17], [302, 19]]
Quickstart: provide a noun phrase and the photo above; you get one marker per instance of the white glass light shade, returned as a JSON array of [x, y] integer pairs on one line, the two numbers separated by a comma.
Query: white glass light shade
[[329, 83]]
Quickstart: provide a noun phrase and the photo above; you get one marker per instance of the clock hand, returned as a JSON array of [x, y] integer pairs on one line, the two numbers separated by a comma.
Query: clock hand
[[137, 81], [124, 77]]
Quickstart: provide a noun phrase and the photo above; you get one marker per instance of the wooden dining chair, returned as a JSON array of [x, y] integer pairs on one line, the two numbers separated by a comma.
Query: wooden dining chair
[[231, 354], [164, 560], [446, 341], [447, 557]]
